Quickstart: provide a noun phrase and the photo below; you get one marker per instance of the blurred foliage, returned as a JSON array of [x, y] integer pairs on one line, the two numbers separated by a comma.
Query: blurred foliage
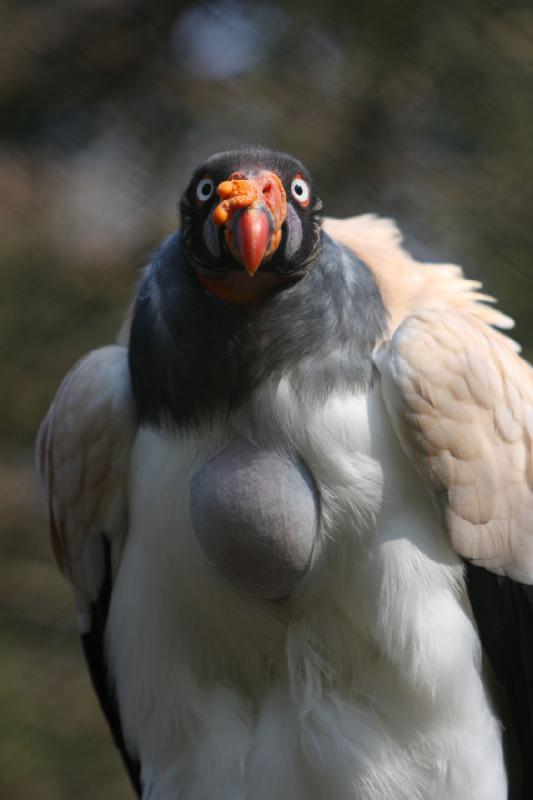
[[420, 111]]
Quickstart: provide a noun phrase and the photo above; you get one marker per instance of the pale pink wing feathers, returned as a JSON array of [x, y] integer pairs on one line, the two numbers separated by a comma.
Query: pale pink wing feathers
[[460, 397], [461, 401], [82, 455], [408, 285]]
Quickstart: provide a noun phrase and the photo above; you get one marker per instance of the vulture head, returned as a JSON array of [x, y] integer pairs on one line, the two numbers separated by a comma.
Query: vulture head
[[250, 222]]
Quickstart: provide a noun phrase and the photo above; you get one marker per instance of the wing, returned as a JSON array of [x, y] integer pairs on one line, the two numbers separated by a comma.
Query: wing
[[82, 452], [461, 402], [408, 285]]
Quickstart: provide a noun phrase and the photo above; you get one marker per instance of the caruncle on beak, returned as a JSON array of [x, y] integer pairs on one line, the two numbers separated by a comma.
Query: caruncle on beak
[[252, 212]]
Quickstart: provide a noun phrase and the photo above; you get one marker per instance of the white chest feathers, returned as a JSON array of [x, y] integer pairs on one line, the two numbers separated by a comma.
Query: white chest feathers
[[364, 684]]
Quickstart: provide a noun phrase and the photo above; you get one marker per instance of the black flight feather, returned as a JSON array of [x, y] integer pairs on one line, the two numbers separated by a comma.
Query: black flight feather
[[93, 648], [504, 615]]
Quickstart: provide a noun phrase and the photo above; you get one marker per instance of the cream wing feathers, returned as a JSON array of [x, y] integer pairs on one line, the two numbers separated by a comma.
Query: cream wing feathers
[[406, 284], [460, 397], [82, 456], [461, 401]]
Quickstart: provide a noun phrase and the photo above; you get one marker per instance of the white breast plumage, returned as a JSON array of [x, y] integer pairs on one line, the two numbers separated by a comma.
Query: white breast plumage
[[350, 688]]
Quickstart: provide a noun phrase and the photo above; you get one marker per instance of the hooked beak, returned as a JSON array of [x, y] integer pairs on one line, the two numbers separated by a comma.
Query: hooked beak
[[252, 212], [250, 235]]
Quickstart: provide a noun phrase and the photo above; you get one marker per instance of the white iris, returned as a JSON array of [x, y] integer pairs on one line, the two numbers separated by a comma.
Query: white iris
[[204, 190], [300, 190]]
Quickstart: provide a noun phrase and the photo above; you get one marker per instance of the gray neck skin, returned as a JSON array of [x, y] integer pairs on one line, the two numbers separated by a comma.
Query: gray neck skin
[[192, 356]]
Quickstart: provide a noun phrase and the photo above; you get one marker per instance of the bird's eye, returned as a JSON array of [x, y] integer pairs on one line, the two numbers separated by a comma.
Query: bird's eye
[[300, 190], [205, 189]]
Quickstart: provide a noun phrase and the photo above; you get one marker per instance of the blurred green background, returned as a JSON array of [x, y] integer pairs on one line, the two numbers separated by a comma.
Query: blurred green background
[[422, 111]]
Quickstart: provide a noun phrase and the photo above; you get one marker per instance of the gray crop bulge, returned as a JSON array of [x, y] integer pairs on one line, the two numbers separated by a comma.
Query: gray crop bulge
[[256, 515]]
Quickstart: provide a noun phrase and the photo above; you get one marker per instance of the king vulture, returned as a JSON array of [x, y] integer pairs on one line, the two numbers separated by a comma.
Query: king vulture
[[296, 510]]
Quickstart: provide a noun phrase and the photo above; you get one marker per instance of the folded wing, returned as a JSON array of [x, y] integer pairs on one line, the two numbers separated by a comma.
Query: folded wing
[[461, 401], [82, 454], [408, 285]]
